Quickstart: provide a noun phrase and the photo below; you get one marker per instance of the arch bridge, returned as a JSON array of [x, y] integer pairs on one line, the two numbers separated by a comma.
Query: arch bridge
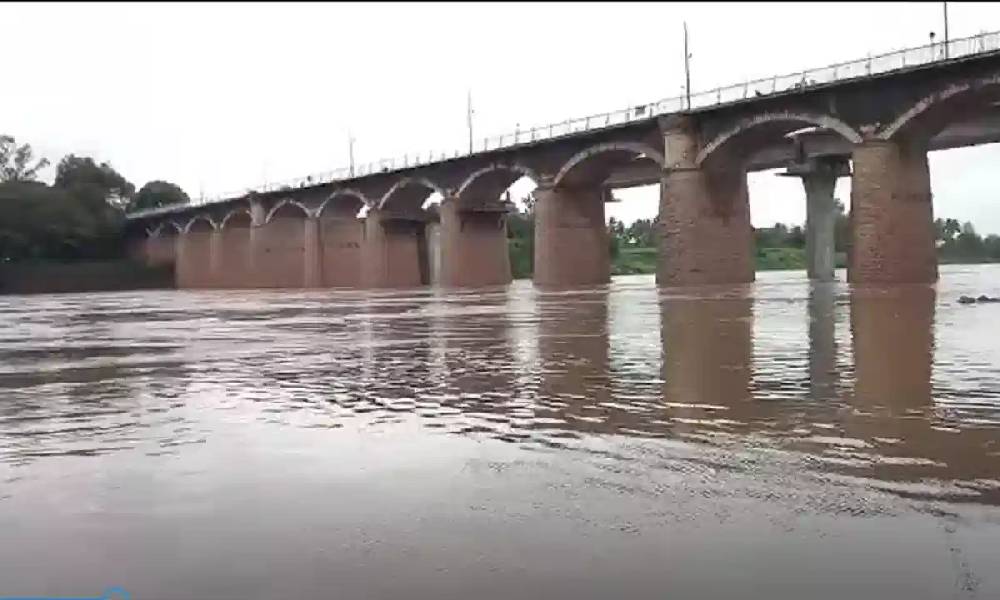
[[374, 229]]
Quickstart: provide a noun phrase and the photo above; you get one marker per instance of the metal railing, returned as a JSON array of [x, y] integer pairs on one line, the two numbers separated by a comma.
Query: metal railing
[[866, 67]]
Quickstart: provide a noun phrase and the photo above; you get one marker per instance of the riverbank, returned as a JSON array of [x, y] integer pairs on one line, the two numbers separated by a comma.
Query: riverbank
[[91, 276], [642, 260]]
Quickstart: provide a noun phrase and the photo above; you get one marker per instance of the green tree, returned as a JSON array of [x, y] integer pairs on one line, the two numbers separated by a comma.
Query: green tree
[[529, 203], [16, 161], [796, 237], [968, 244], [841, 228], [521, 247], [947, 230], [94, 184], [156, 194], [79, 217], [992, 247], [642, 233]]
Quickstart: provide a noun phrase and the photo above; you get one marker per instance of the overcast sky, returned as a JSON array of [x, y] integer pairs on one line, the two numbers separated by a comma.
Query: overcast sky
[[219, 97]]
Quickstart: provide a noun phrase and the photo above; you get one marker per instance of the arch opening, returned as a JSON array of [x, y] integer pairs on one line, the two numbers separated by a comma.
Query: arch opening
[[409, 194], [490, 183], [342, 204], [771, 222], [237, 219], [287, 209], [166, 229], [741, 144], [954, 105], [200, 224], [595, 165]]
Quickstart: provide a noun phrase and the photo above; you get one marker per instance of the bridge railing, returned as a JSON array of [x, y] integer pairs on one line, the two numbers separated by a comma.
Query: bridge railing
[[865, 67]]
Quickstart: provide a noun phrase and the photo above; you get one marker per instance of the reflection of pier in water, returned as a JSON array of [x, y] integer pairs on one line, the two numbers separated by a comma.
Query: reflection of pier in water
[[462, 365]]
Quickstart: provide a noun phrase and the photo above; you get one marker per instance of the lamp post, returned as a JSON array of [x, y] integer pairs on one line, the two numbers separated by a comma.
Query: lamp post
[[945, 30], [350, 150], [469, 118], [687, 67]]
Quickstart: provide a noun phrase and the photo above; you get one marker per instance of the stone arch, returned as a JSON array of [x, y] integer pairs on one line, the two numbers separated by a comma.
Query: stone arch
[[285, 203], [194, 220], [233, 214], [752, 132], [486, 184], [932, 113], [159, 229], [410, 192], [595, 164], [347, 193]]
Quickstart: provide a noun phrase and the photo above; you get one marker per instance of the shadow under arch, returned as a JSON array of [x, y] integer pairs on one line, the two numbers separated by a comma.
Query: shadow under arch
[[738, 143], [489, 183], [594, 165], [286, 208]]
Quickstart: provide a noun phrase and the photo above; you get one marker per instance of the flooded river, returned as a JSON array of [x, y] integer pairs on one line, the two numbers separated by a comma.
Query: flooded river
[[781, 440]]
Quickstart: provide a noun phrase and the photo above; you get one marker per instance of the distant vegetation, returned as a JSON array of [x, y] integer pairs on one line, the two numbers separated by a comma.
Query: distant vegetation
[[79, 217], [961, 244], [633, 248]]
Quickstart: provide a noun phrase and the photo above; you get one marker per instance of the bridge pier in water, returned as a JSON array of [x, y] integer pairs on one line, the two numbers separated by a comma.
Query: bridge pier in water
[[340, 236], [236, 264], [706, 237], [819, 178], [395, 250], [161, 247], [197, 256], [892, 219], [474, 244], [571, 238], [279, 247]]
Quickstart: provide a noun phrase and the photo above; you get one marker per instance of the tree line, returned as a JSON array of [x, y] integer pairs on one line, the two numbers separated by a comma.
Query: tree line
[[631, 247], [80, 216]]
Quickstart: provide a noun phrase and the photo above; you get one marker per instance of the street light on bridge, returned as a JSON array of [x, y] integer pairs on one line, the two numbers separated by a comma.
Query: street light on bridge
[[687, 67], [945, 30]]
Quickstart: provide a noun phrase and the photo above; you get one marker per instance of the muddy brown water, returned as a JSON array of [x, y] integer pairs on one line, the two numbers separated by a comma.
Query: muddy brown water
[[780, 440]]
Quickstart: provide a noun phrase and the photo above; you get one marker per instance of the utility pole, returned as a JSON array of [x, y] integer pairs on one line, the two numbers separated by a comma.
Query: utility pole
[[350, 150], [687, 67], [945, 30], [469, 118]]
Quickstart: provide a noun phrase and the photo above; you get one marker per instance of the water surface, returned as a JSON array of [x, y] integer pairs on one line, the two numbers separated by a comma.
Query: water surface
[[781, 440]]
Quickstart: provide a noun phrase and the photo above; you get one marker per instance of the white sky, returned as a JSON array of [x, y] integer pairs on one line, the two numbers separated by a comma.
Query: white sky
[[220, 97]]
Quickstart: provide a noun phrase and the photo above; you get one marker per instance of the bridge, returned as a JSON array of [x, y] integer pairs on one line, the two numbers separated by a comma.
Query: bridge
[[872, 119]]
